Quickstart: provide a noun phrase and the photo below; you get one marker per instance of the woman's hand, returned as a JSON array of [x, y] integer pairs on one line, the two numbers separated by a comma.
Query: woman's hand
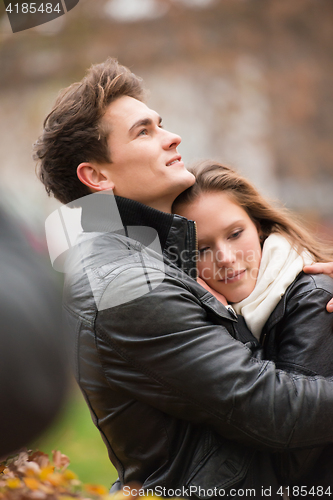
[[322, 268], [216, 294]]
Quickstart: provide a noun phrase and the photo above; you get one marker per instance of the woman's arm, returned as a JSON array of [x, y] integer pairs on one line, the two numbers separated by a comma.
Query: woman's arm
[[302, 342], [322, 268], [303, 336]]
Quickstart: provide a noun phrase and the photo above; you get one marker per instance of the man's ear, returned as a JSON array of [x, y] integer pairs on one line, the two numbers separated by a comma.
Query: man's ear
[[94, 176]]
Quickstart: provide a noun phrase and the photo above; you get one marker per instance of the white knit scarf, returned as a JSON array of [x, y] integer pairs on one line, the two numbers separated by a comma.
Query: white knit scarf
[[279, 266]]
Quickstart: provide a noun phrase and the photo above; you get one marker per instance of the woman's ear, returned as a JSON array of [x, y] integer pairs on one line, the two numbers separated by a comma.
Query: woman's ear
[[94, 176], [260, 232]]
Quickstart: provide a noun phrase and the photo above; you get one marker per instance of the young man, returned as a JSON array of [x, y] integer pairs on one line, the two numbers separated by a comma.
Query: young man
[[182, 405]]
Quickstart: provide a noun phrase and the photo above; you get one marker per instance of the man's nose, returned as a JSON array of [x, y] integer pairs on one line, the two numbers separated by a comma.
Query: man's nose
[[171, 140]]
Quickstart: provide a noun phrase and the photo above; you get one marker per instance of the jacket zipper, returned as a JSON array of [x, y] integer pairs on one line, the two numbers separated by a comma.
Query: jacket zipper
[[196, 248]]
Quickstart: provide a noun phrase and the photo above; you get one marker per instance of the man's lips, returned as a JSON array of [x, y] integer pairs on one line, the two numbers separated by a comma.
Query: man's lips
[[175, 159], [235, 276]]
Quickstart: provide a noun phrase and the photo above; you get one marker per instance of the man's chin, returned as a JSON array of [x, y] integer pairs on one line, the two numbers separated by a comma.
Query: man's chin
[[187, 181], [191, 179]]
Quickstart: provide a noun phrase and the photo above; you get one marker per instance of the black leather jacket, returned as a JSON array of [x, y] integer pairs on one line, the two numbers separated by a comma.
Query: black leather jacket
[[178, 401], [298, 337]]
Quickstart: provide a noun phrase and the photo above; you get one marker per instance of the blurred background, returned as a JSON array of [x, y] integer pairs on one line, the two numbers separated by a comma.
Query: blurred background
[[246, 82]]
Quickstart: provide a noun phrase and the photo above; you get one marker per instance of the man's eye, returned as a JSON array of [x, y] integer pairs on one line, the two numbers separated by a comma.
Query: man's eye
[[143, 132]]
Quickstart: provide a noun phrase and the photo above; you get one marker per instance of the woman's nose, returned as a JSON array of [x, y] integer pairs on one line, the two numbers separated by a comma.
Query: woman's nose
[[224, 256]]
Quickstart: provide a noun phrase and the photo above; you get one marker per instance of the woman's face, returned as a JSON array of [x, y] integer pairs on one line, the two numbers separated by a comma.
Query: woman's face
[[228, 243]]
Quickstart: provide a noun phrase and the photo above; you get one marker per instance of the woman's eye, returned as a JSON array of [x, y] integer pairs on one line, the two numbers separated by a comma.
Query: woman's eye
[[236, 234], [203, 250]]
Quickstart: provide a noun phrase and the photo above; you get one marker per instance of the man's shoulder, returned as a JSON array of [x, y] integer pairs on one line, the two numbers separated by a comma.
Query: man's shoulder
[[115, 268]]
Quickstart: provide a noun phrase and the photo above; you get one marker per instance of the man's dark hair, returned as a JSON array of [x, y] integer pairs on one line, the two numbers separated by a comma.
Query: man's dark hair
[[73, 131]]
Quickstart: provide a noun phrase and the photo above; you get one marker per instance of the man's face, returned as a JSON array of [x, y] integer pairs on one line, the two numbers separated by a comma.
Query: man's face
[[146, 165]]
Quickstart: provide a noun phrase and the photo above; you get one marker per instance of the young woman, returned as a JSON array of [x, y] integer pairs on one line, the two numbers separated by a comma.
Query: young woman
[[253, 253]]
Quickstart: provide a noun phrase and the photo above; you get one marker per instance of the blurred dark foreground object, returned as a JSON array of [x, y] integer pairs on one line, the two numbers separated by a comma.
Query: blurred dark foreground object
[[33, 374]]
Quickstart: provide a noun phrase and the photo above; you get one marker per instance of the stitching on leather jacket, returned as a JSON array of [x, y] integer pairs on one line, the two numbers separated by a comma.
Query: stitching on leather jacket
[[150, 373]]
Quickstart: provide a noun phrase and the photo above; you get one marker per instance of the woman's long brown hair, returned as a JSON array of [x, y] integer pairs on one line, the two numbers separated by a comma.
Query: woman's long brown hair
[[214, 177]]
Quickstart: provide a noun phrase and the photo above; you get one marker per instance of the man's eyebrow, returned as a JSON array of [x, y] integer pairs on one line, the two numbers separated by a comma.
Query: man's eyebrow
[[144, 123]]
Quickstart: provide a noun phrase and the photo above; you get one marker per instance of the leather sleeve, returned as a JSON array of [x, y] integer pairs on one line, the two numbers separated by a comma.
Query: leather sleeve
[[305, 335], [163, 349], [304, 344]]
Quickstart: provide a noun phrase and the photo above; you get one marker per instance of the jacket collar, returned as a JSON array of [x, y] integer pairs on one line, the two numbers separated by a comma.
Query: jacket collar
[[177, 235]]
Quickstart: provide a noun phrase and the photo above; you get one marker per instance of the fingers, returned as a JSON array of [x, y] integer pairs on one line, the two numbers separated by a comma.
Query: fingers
[[320, 268]]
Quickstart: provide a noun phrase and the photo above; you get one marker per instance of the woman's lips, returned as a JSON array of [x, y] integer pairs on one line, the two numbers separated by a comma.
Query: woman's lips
[[231, 278]]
